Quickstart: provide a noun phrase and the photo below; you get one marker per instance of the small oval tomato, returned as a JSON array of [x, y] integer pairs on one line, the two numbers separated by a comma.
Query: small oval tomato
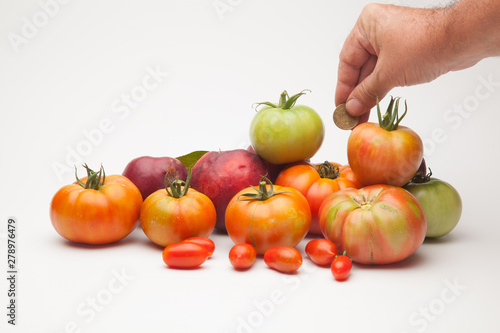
[[207, 243], [440, 201], [184, 255], [268, 216], [97, 209], [384, 153], [286, 133], [378, 224], [341, 267], [285, 259], [177, 212], [315, 183], [321, 251], [242, 256]]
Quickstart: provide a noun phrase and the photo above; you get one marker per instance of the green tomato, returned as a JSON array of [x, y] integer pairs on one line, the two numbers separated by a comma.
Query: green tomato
[[440, 201], [286, 132]]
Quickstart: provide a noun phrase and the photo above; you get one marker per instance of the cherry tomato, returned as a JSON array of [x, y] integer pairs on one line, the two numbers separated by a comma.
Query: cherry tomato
[[285, 259], [315, 183], [97, 209], [378, 224], [268, 216], [242, 256], [384, 153], [286, 133], [207, 243], [185, 255], [341, 267], [177, 212], [321, 251]]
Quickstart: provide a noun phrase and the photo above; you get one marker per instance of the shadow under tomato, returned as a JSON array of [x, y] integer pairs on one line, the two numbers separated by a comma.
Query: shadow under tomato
[[414, 260], [124, 242], [197, 268]]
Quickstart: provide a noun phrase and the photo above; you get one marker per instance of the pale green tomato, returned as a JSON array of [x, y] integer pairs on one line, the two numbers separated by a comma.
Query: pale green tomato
[[441, 203], [286, 133]]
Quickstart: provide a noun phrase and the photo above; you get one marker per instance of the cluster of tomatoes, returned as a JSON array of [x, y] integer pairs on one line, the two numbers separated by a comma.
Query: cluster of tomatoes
[[365, 210]]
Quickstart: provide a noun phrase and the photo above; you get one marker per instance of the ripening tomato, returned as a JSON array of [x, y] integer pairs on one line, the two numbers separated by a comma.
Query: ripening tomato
[[384, 153], [440, 201], [286, 133], [177, 212], [97, 209], [378, 224], [315, 183], [284, 259], [185, 255], [242, 256], [321, 251], [268, 216]]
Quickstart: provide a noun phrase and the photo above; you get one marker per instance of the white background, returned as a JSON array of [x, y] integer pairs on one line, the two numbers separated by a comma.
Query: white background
[[68, 76]]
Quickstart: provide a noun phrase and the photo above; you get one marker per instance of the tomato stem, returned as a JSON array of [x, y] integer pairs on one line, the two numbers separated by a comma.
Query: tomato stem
[[420, 179], [390, 120], [94, 179], [178, 187], [328, 170], [286, 102], [262, 192]]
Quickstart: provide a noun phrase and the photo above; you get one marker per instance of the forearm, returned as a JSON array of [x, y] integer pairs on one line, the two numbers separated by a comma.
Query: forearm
[[473, 27]]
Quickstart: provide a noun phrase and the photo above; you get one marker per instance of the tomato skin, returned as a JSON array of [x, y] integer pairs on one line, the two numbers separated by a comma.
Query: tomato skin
[[441, 203], [282, 220], [286, 135], [284, 259], [377, 224], [96, 216], [242, 256], [305, 178], [167, 220], [184, 255], [321, 251], [207, 243], [341, 267], [378, 156]]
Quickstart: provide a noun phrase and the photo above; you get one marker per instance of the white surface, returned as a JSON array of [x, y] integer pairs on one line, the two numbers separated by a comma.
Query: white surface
[[69, 78]]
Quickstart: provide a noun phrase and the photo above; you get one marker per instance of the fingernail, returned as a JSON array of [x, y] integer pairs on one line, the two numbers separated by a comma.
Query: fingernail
[[354, 107]]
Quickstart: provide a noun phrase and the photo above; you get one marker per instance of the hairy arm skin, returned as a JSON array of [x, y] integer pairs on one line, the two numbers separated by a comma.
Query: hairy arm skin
[[393, 46]]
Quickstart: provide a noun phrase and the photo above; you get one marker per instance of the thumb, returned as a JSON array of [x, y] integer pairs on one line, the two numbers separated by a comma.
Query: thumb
[[364, 97]]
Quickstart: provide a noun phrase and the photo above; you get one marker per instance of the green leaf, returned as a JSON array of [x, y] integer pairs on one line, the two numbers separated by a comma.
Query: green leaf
[[189, 160]]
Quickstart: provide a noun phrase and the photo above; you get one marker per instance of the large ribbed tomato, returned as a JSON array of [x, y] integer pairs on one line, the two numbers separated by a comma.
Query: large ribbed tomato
[[97, 209], [378, 224], [384, 153]]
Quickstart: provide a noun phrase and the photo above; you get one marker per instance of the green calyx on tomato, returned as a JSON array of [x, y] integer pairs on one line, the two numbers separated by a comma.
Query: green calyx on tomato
[[263, 193], [178, 188], [390, 120], [95, 179], [286, 102]]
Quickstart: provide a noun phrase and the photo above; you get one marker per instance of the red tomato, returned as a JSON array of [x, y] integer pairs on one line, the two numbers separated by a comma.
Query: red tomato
[[268, 216], [315, 183], [169, 216], [185, 255], [97, 209], [242, 256], [378, 224], [341, 267], [284, 259], [384, 153], [207, 243], [321, 251]]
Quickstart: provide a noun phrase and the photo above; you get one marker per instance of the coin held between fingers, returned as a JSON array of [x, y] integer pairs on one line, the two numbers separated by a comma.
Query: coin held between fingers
[[343, 119]]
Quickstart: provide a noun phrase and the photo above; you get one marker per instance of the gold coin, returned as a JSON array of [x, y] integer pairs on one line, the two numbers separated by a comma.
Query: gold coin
[[344, 120]]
